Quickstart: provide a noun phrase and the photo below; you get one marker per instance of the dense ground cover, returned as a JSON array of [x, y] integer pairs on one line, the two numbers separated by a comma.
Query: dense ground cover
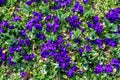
[[60, 39]]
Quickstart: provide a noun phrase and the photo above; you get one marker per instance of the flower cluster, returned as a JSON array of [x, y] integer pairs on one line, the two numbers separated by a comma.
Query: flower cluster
[[98, 41], [9, 59], [18, 44], [18, 47], [14, 48], [113, 15], [2, 25], [74, 21], [98, 69], [16, 18], [110, 42], [107, 41], [115, 63], [35, 21], [87, 49], [108, 68], [21, 40], [71, 71], [96, 25], [28, 56], [78, 8], [40, 36], [61, 58], [5, 25], [61, 3], [58, 53], [52, 27]]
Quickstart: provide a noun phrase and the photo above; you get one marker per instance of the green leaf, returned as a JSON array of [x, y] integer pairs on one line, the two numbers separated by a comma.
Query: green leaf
[[76, 33], [26, 9], [107, 23], [45, 9], [62, 16], [113, 36], [92, 35], [88, 12], [53, 37]]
